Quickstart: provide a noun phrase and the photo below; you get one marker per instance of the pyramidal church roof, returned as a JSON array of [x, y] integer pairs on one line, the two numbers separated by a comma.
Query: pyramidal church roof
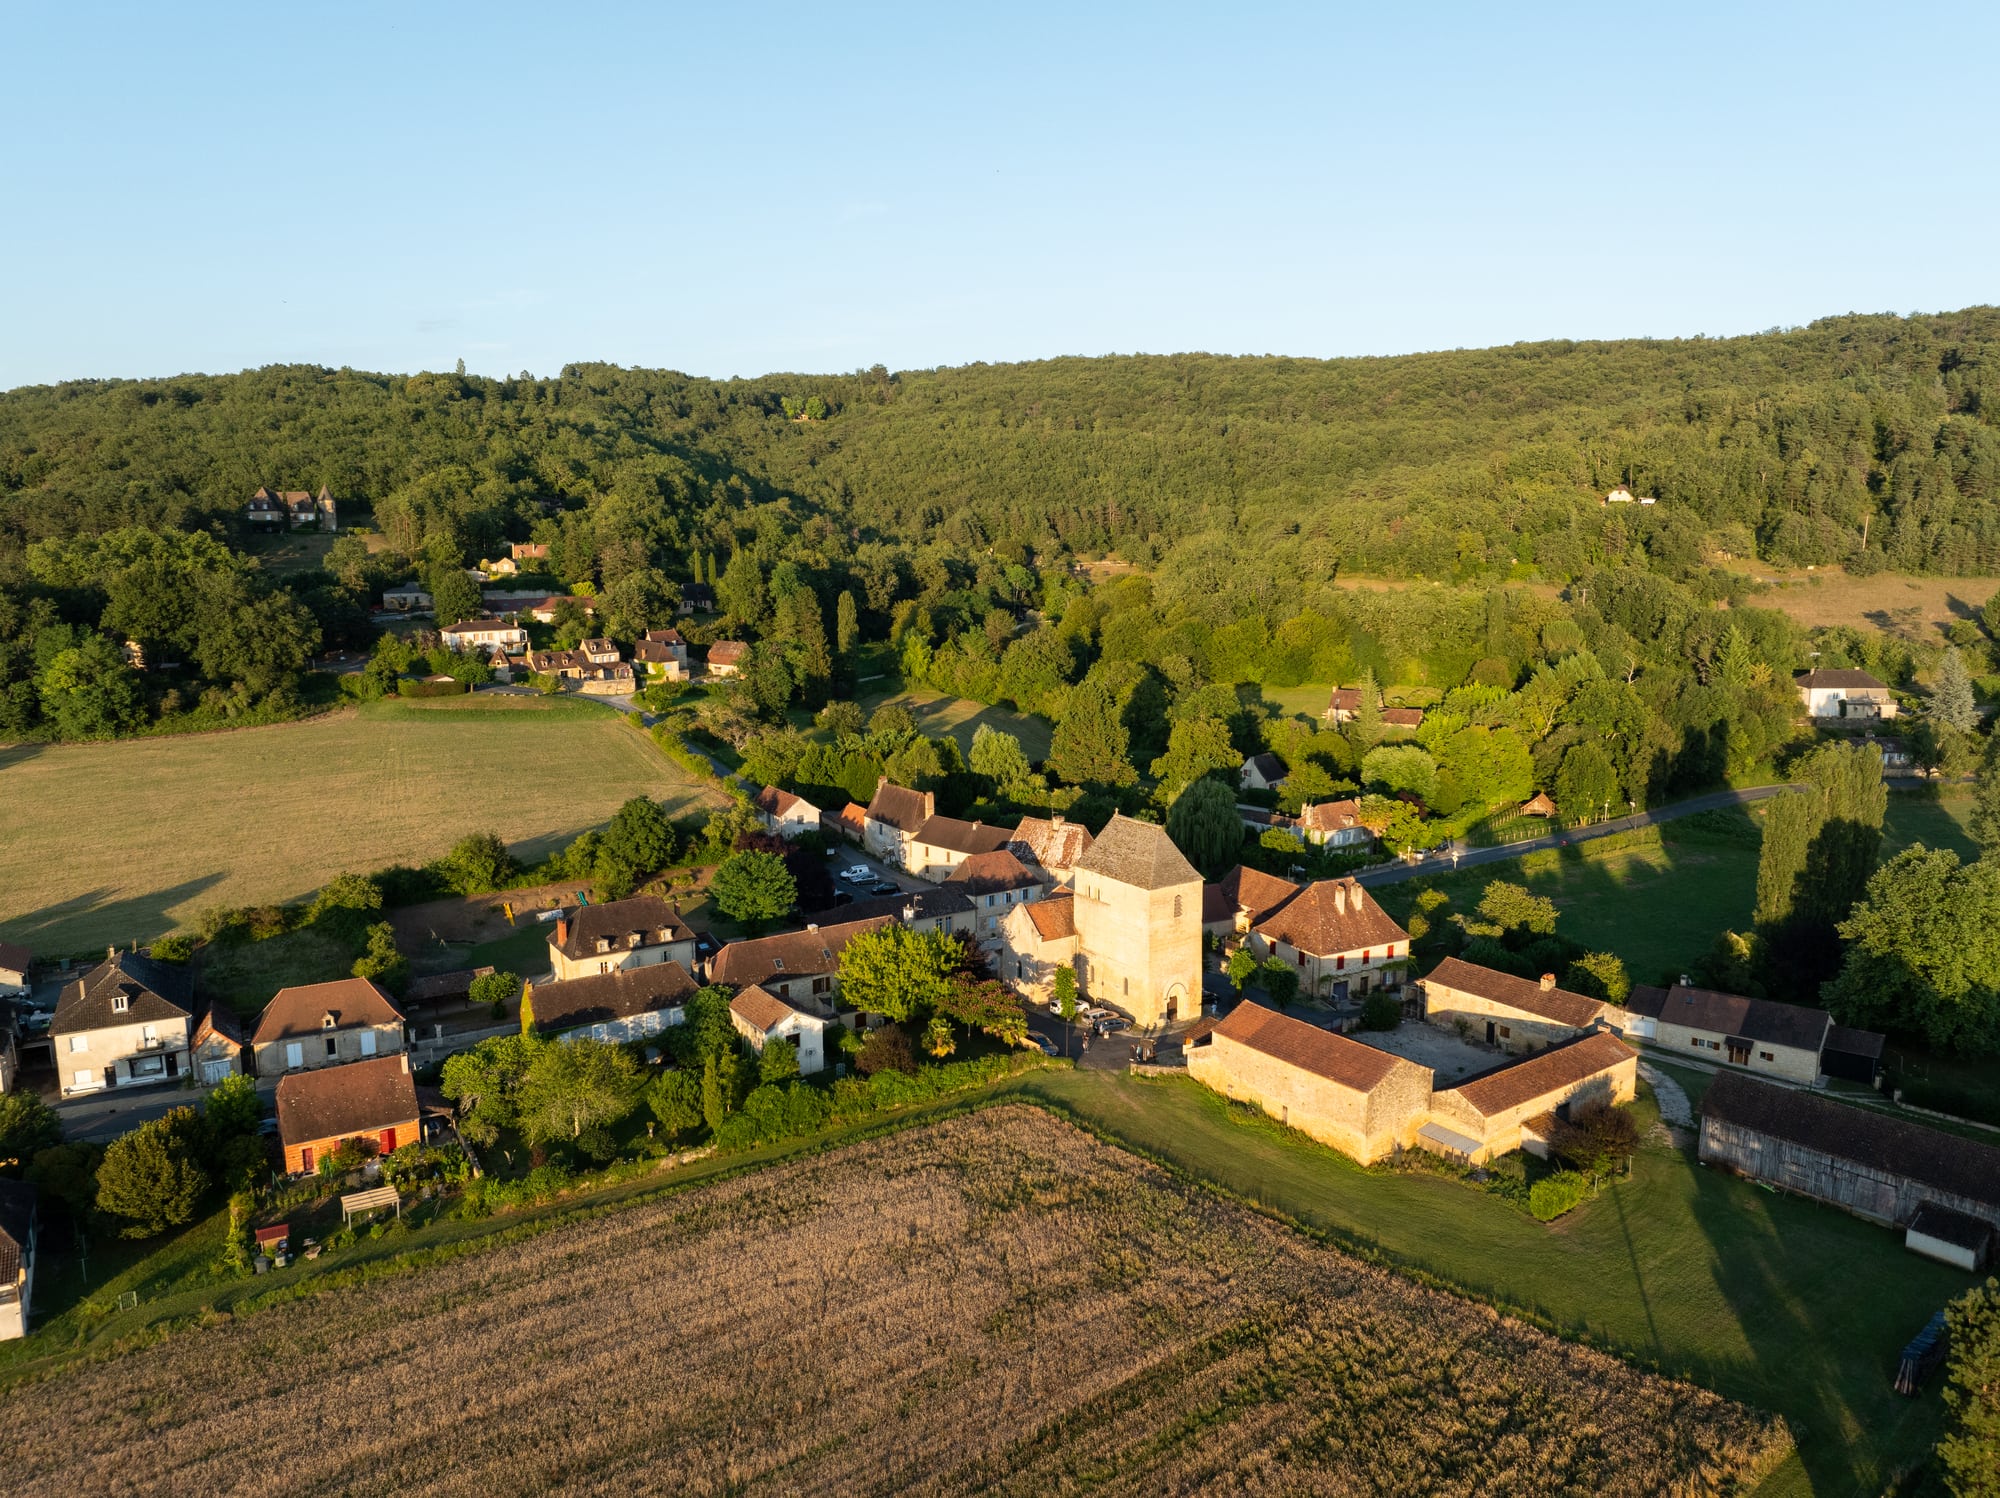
[[1139, 854]]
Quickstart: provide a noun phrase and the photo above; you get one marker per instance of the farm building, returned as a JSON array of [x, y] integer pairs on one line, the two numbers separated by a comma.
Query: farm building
[[1240, 899], [325, 1024], [850, 822], [1341, 942], [1363, 1102], [18, 1229], [1950, 1237], [1878, 1167], [1485, 1116], [761, 1017], [638, 932], [785, 814], [1054, 843], [320, 1110], [624, 1004], [1515, 1014], [1784, 1040]]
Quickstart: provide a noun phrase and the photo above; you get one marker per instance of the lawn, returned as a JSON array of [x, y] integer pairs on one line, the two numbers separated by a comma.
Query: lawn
[[1755, 1295], [119, 843], [1937, 820], [961, 717]]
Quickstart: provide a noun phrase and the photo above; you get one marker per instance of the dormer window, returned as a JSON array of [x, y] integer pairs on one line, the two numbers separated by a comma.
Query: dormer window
[[120, 1003], [326, 1021], [637, 938], [603, 943]]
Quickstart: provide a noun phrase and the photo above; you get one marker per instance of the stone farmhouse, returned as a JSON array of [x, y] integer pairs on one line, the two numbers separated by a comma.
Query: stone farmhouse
[[125, 1022], [325, 1024], [663, 653], [1516, 1015], [1878, 1167], [785, 814], [1131, 928], [318, 1111], [761, 1017], [1339, 939], [1844, 694], [892, 820], [1788, 1041], [800, 967], [627, 1003], [1368, 1103], [638, 932], [1240, 899]]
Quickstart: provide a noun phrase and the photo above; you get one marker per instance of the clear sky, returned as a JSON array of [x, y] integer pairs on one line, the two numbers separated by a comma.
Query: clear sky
[[734, 189]]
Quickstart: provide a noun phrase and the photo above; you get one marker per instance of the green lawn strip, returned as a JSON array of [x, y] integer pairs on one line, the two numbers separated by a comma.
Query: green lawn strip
[[244, 973], [1779, 1302], [1935, 819]]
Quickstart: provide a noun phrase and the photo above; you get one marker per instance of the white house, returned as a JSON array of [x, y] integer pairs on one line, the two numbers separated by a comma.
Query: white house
[[1830, 693], [1336, 824], [640, 932], [484, 635], [125, 1022], [407, 599], [785, 814], [1263, 772], [761, 1017]]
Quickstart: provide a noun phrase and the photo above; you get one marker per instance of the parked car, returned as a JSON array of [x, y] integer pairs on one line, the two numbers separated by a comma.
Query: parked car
[[885, 888], [1041, 1042], [858, 873], [1113, 1025]]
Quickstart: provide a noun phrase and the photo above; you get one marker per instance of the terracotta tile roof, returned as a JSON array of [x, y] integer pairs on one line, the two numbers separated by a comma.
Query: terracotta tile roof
[[220, 1020], [522, 551], [153, 991], [900, 807], [15, 958], [789, 954], [1332, 916], [652, 920], [1556, 1069], [1139, 854], [1403, 717], [303, 1010], [775, 803], [1930, 1157], [599, 998], [17, 1216], [361, 1097], [1345, 1062], [760, 1009], [1054, 919], [1243, 888], [1828, 676], [656, 651], [1729, 1014], [1525, 994], [956, 836], [1331, 816], [1344, 700], [1054, 843], [995, 872], [853, 817], [727, 652]]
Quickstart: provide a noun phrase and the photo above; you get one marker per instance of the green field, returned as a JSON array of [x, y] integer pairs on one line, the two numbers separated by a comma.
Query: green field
[[1789, 1306], [1933, 819], [961, 717], [122, 842]]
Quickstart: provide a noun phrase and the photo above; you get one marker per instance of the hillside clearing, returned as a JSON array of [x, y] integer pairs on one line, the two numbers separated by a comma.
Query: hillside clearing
[[1887, 600], [997, 1303], [122, 842]]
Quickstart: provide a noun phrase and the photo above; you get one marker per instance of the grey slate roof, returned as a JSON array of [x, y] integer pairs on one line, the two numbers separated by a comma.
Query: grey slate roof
[[656, 922], [1139, 854], [154, 991], [599, 998], [1728, 1014], [930, 904]]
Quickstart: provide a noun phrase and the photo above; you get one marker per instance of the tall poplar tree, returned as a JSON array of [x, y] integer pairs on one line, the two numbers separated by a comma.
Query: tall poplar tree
[[1816, 862]]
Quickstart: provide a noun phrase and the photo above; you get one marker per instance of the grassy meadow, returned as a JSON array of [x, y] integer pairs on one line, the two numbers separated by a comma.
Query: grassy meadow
[[125, 841], [961, 717]]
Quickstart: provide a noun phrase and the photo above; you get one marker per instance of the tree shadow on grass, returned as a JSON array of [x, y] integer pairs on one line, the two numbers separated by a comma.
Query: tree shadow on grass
[[18, 754], [56, 930]]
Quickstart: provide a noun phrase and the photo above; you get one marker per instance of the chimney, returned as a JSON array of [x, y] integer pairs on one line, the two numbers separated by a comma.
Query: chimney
[[562, 930], [1548, 982], [404, 1057], [812, 925], [1340, 898]]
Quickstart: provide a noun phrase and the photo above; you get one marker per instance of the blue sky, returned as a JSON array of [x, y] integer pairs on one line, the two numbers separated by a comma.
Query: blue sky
[[733, 190]]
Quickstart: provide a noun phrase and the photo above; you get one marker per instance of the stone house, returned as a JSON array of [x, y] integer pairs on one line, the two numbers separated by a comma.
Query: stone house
[[1878, 1167], [995, 883], [1052, 843], [785, 814], [941, 844], [1138, 924], [1240, 899], [1034, 940], [1487, 1115], [629, 1003], [218, 1044], [1515, 1014], [484, 636], [761, 1017], [1343, 704], [726, 657], [938, 907], [1339, 939], [1760, 1035], [124, 1022], [894, 816], [800, 967], [1334, 824], [544, 612], [1361, 1101], [1844, 694], [19, 1227], [663, 653], [325, 1024], [318, 1111], [638, 932]]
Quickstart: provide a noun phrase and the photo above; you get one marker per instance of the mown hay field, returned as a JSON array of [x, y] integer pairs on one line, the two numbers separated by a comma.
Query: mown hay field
[[995, 1304], [125, 841]]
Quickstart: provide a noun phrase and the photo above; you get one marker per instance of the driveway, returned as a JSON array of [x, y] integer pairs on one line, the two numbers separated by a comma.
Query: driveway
[[1445, 863], [106, 1115]]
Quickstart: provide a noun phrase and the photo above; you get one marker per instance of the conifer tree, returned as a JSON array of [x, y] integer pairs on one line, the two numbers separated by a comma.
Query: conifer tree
[[846, 624], [1951, 701]]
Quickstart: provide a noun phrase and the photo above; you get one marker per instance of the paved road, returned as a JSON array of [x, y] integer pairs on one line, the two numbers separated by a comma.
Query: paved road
[[106, 1115], [1472, 857]]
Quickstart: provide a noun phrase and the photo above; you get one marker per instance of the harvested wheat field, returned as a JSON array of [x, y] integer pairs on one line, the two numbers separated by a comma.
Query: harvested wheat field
[[998, 1303]]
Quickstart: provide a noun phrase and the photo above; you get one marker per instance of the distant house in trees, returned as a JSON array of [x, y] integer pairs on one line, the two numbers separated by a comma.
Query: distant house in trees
[[639, 932], [125, 1022], [1844, 694], [697, 598], [1539, 805], [407, 599], [1342, 705], [545, 611], [527, 551], [296, 508], [1263, 772], [19, 1228], [1335, 824], [1409, 718], [325, 1024], [265, 512], [624, 1004], [725, 657], [761, 1017], [1785, 1040], [318, 1111], [785, 814], [1515, 1014]]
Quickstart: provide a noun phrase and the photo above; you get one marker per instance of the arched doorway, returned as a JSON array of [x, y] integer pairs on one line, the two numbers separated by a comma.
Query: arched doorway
[[1175, 996]]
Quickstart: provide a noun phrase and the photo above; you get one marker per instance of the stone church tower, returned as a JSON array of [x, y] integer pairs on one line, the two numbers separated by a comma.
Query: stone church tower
[[1138, 924]]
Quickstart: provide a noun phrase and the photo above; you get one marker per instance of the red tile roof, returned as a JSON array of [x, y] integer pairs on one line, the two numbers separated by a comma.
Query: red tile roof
[[1558, 1069], [304, 1010], [1348, 1063], [1330, 917], [789, 954], [994, 873], [1243, 888], [361, 1097], [1054, 919], [761, 1009]]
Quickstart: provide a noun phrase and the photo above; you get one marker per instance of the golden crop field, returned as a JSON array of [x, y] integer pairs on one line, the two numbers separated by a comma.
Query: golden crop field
[[996, 1304], [123, 842]]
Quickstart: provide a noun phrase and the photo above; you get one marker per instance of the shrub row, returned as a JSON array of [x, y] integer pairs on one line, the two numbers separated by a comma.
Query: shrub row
[[1555, 1194], [408, 687]]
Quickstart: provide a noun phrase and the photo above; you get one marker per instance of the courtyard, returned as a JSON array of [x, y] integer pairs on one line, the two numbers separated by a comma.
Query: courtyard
[[1449, 1058]]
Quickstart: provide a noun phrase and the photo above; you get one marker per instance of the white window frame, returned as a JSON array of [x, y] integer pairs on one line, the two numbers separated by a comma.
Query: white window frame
[[367, 1042], [295, 1054]]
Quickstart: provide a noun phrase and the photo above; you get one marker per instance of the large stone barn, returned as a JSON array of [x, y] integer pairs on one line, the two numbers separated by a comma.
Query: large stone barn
[[1878, 1167], [1486, 1116]]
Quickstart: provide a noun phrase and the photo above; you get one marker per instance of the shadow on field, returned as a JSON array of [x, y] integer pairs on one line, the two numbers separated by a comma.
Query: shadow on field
[[18, 754], [135, 920]]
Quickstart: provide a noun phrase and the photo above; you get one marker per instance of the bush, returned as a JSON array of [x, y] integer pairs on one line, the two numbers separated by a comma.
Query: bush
[[1556, 1194], [1382, 1011], [886, 1049], [408, 687], [172, 949], [153, 1177]]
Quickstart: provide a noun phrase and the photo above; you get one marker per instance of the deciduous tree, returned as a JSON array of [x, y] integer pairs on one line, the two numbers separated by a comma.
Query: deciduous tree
[[753, 887], [152, 1179]]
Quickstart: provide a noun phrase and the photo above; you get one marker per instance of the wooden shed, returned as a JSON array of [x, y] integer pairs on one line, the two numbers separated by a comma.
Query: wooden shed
[[1540, 806]]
